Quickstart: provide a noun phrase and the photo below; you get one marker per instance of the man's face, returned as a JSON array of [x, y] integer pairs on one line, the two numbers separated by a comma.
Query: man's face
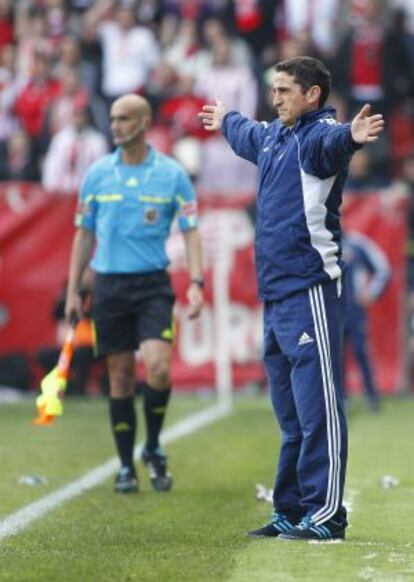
[[126, 17], [289, 100], [127, 125]]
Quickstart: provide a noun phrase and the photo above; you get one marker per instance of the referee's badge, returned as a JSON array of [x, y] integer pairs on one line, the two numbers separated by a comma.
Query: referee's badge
[[151, 215]]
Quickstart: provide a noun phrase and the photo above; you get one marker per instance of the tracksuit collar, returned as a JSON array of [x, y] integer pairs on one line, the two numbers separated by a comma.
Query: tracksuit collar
[[311, 116]]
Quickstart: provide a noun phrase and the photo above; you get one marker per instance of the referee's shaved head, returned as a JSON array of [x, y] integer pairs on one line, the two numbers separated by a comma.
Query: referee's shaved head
[[134, 104], [130, 118]]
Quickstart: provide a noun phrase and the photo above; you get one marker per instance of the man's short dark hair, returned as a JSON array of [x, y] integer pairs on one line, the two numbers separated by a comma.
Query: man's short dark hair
[[307, 73]]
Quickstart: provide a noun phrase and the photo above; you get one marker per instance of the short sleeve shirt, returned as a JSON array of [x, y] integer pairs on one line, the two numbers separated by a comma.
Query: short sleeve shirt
[[131, 209]]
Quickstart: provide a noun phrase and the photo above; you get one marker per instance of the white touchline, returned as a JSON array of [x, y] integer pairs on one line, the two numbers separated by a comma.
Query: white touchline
[[22, 518]]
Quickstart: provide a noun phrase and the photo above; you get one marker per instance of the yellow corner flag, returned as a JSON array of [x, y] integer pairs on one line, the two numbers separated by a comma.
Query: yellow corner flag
[[50, 401]]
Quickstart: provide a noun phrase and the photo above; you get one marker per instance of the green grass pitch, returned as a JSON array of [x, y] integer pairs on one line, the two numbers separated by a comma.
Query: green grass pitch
[[197, 532]]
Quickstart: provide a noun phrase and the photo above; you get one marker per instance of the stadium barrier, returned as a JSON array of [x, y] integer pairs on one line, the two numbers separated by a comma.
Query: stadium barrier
[[223, 348]]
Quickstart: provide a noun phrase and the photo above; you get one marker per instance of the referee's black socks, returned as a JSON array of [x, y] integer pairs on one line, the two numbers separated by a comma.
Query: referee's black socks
[[124, 424], [155, 407]]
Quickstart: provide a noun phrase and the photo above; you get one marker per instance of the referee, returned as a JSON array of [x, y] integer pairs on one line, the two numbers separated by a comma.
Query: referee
[[127, 203]]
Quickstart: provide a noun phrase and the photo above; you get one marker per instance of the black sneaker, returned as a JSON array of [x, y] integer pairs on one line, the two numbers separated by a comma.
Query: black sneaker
[[307, 530], [126, 481], [156, 461], [278, 524]]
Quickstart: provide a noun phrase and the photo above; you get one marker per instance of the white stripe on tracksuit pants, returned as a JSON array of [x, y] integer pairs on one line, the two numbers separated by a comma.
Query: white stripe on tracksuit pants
[[307, 395], [332, 421]]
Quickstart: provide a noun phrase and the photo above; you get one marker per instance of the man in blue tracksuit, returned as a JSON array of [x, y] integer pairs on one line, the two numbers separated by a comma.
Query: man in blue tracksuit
[[302, 160], [368, 274]]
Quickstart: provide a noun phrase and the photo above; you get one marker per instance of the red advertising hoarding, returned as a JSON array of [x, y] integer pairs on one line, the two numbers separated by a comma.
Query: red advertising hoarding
[[36, 231]]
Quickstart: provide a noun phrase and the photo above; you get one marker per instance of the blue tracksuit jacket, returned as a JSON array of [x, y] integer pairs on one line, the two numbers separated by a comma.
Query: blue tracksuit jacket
[[301, 173]]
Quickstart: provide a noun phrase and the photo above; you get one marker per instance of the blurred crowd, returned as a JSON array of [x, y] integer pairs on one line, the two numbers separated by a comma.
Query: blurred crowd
[[63, 62]]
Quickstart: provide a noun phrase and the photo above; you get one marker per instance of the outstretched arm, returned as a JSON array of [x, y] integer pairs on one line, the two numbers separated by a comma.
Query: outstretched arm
[[244, 135], [366, 128], [337, 143]]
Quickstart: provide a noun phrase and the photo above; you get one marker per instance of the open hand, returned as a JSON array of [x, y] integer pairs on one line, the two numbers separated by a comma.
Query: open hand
[[366, 128], [212, 115]]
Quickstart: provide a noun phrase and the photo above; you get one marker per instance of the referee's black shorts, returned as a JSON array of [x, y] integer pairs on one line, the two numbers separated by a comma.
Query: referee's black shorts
[[129, 309]]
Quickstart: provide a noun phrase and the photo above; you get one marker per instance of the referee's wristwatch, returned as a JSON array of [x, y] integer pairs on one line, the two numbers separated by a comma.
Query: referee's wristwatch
[[198, 281]]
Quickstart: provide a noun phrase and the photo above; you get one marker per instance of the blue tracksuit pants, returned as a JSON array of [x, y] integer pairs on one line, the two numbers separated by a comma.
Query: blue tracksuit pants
[[303, 342]]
